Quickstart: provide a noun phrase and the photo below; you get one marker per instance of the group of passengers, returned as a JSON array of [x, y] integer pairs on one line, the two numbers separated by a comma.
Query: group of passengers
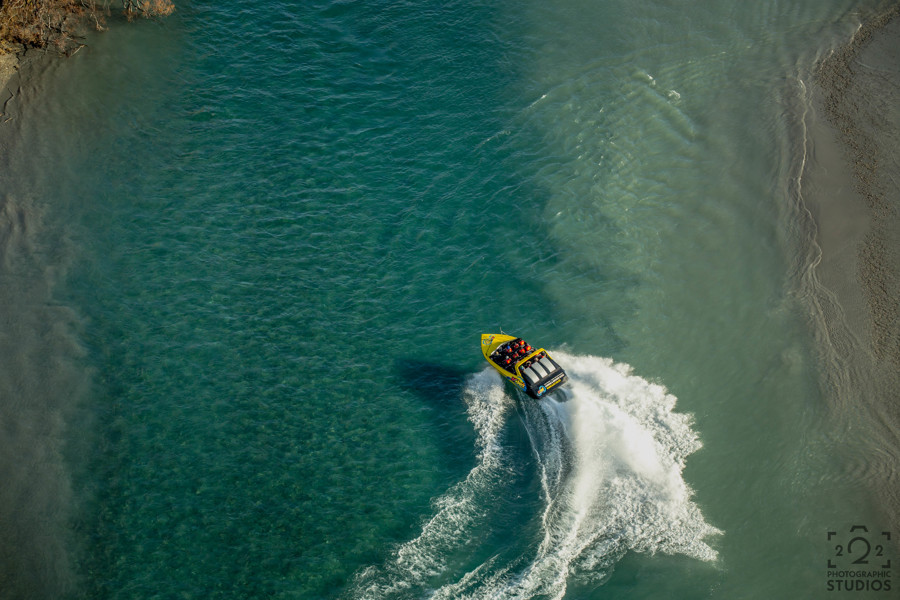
[[510, 353]]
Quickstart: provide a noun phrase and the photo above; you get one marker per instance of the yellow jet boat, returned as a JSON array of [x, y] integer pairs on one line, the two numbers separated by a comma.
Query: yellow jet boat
[[530, 369]]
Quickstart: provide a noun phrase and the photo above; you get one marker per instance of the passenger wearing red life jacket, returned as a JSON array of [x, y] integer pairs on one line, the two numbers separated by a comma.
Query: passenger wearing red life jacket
[[510, 353]]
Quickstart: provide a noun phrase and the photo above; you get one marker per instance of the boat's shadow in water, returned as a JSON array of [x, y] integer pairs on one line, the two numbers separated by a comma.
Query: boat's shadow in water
[[440, 389]]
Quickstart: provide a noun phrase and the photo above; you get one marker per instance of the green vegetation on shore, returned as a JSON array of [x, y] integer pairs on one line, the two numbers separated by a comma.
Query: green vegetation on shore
[[61, 23]]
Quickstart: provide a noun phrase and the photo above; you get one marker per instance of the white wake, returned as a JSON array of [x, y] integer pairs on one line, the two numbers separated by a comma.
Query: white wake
[[610, 452]]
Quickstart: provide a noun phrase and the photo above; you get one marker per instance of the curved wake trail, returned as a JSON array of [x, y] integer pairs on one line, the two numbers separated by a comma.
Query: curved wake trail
[[463, 508], [611, 472], [610, 454]]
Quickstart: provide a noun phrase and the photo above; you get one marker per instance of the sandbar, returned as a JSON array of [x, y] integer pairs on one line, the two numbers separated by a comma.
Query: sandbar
[[853, 195]]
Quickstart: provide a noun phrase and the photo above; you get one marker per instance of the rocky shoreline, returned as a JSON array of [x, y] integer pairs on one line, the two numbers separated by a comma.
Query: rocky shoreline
[[9, 66]]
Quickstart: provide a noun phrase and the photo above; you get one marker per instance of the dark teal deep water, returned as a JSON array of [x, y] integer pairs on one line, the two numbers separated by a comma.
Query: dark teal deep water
[[272, 233]]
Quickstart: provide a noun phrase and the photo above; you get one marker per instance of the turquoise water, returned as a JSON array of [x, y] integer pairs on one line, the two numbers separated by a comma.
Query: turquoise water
[[251, 249]]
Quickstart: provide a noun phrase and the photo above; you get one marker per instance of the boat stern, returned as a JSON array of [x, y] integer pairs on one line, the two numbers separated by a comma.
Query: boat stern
[[541, 374]]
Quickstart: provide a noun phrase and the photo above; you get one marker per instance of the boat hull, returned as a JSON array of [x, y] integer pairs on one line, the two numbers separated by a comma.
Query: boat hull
[[532, 370]]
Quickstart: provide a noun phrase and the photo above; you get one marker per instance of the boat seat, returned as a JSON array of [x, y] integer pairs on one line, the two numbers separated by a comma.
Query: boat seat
[[547, 364], [540, 370]]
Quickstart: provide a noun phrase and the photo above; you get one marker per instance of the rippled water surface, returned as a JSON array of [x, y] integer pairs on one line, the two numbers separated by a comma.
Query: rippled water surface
[[249, 250]]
